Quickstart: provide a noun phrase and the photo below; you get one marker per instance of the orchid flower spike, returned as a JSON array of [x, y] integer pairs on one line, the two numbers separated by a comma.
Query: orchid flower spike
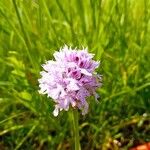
[[70, 79]]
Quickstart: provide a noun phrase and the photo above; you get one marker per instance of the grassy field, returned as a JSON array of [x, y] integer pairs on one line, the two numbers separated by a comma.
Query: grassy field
[[116, 31]]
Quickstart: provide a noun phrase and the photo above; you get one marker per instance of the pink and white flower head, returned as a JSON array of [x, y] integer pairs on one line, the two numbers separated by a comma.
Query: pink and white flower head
[[70, 79]]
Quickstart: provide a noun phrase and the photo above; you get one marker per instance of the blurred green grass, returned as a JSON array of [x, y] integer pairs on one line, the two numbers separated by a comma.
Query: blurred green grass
[[118, 32]]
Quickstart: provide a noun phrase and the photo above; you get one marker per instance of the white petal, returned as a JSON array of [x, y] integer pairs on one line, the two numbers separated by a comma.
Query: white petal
[[73, 103], [72, 86], [54, 93], [56, 111], [65, 102], [56, 55], [85, 72]]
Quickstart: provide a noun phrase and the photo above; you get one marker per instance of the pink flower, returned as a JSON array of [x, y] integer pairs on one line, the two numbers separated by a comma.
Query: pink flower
[[70, 79]]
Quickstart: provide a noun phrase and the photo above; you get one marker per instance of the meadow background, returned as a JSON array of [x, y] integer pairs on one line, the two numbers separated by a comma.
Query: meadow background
[[116, 31]]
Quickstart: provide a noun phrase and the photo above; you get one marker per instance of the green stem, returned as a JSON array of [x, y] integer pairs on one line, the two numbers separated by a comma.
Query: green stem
[[76, 129]]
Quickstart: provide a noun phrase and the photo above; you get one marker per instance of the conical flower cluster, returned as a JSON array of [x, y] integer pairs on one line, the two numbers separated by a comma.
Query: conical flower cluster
[[70, 79]]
